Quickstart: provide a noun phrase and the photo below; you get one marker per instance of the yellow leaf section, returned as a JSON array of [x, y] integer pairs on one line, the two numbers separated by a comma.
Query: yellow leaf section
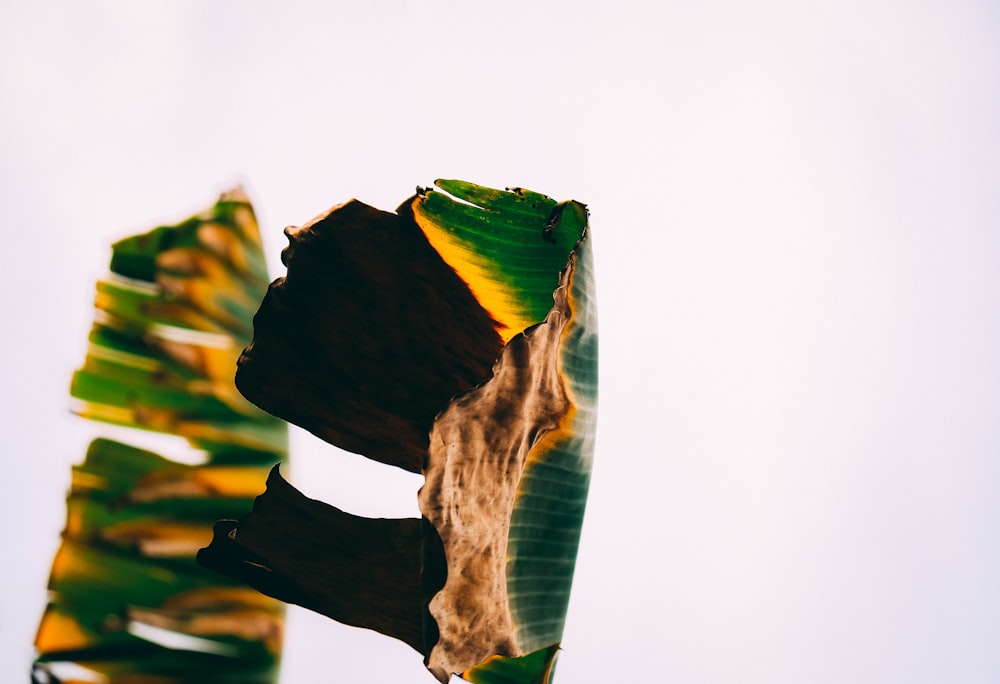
[[477, 272], [202, 482], [215, 364], [158, 539], [68, 561], [60, 632]]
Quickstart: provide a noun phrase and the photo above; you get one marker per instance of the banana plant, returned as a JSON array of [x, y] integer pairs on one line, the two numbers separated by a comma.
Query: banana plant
[[128, 603], [455, 337]]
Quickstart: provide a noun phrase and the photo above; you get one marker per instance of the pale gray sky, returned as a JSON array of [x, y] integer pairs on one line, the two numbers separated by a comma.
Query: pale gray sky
[[796, 221]]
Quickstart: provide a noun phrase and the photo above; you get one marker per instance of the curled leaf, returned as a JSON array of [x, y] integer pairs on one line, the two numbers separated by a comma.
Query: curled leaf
[[455, 337]]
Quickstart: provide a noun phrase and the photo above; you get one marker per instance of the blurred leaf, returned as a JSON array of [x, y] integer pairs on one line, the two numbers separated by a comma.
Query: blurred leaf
[[127, 600]]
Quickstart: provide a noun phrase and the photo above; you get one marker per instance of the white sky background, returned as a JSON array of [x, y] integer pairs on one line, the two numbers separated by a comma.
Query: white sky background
[[796, 216]]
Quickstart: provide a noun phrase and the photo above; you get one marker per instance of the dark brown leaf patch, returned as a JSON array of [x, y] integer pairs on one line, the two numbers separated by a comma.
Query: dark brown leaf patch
[[376, 573], [369, 335]]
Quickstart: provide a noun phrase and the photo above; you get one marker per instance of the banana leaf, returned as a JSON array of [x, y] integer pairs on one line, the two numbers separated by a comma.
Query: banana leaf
[[128, 603], [455, 337]]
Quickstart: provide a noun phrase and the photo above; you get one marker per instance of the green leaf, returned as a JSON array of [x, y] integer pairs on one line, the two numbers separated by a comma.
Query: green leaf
[[128, 600], [508, 246], [534, 668]]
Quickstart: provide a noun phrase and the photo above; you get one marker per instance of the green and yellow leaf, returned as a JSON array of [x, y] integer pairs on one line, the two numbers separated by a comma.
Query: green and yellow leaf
[[128, 601]]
